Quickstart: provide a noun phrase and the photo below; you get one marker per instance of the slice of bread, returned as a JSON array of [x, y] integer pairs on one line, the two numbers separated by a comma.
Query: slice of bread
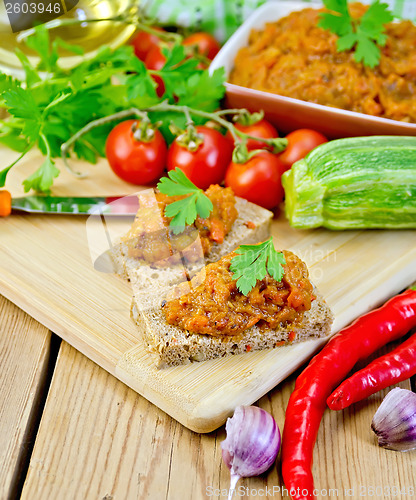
[[251, 226], [170, 345]]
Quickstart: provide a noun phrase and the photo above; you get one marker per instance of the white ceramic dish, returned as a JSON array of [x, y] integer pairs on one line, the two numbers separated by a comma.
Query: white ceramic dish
[[287, 113]]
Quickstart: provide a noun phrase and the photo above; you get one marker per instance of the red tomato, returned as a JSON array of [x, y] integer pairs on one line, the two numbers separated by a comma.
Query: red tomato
[[156, 60], [143, 42], [262, 128], [206, 165], [135, 161], [258, 180], [301, 142], [207, 45]]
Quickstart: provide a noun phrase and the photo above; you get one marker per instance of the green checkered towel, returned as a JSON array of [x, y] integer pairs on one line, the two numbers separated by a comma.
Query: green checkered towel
[[223, 17]]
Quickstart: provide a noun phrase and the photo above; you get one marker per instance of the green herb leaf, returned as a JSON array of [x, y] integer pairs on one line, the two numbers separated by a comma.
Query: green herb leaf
[[3, 175], [347, 42], [8, 83], [42, 179], [32, 76], [11, 137], [203, 90], [253, 262], [58, 106], [186, 210], [141, 86], [374, 19], [367, 52], [365, 34], [22, 105]]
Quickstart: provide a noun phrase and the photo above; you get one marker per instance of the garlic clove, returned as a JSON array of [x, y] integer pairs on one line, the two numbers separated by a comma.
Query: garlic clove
[[395, 421], [252, 443]]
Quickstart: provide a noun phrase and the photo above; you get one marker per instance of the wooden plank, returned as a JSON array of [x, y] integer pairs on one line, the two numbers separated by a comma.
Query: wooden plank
[[45, 268], [99, 439], [24, 357]]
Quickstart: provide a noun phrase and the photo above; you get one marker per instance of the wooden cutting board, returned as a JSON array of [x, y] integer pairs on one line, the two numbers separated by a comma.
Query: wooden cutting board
[[46, 269]]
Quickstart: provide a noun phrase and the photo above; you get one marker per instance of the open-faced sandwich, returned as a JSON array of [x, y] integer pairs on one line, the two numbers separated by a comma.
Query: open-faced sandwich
[[251, 299], [203, 285], [179, 228]]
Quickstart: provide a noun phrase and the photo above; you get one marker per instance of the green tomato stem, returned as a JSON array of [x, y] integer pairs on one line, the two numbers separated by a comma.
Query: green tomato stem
[[238, 136], [232, 111], [96, 123]]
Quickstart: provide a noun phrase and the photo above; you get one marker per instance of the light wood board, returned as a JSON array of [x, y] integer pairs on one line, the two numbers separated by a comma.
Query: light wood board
[[24, 354], [46, 269], [98, 439]]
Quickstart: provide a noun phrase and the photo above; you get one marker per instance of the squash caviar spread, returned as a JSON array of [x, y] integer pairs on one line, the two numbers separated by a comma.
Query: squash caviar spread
[[295, 58], [216, 307], [150, 238]]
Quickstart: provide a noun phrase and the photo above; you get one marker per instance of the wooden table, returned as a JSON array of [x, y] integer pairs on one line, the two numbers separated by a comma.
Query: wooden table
[[69, 430]]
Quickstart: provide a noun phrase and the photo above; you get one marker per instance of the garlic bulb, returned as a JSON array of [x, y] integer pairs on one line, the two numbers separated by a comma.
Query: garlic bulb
[[252, 443], [395, 421]]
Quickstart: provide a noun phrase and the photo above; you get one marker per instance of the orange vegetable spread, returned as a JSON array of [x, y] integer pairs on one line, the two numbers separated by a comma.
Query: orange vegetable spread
[[295, 58], [151, 240], [215, 306]]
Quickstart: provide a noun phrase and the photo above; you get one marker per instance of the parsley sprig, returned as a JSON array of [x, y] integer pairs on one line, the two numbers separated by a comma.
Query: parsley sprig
[[365, 35], [52, 104], [186, 210], [254, 262]]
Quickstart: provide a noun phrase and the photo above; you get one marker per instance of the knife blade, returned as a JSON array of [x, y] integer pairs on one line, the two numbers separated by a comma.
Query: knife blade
[[77, 205]]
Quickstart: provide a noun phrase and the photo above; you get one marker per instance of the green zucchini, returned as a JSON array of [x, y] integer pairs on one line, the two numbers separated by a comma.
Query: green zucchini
[[362, 182]]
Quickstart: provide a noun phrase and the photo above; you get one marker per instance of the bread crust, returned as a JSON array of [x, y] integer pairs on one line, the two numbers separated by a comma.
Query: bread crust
[[169, 345]]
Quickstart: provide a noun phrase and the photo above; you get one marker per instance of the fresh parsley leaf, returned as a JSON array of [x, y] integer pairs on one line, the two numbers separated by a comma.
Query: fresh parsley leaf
[[339, 6], [186, 210], [176, 71], [7, 83], [21, 105], [366, 51], [47, 51], [40, 43], [176, 56], [141, 86], [373, 21], [32, 76], [10, 135], [42, 179], [253, 262], [338, 24], [203, 90], [365, 34], [347, 42], [3, 175]]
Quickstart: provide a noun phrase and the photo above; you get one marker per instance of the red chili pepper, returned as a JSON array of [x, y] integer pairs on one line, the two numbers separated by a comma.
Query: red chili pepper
[[326, 370], [387, 370]]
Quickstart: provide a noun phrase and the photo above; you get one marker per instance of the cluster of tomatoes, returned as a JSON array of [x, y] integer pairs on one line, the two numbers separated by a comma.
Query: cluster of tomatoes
[[148, 48], [257, 180], [142, 158]]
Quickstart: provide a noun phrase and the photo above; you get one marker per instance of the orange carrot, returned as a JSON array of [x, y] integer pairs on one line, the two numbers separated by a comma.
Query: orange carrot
[[5, 203]]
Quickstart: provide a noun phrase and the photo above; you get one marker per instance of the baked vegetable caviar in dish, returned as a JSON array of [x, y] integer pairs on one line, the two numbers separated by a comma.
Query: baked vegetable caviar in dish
[[208, 317], [295, 58], [216, 307], [357, 183]]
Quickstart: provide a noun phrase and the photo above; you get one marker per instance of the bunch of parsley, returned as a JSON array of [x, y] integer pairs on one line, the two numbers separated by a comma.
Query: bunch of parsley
[[53, 103]]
